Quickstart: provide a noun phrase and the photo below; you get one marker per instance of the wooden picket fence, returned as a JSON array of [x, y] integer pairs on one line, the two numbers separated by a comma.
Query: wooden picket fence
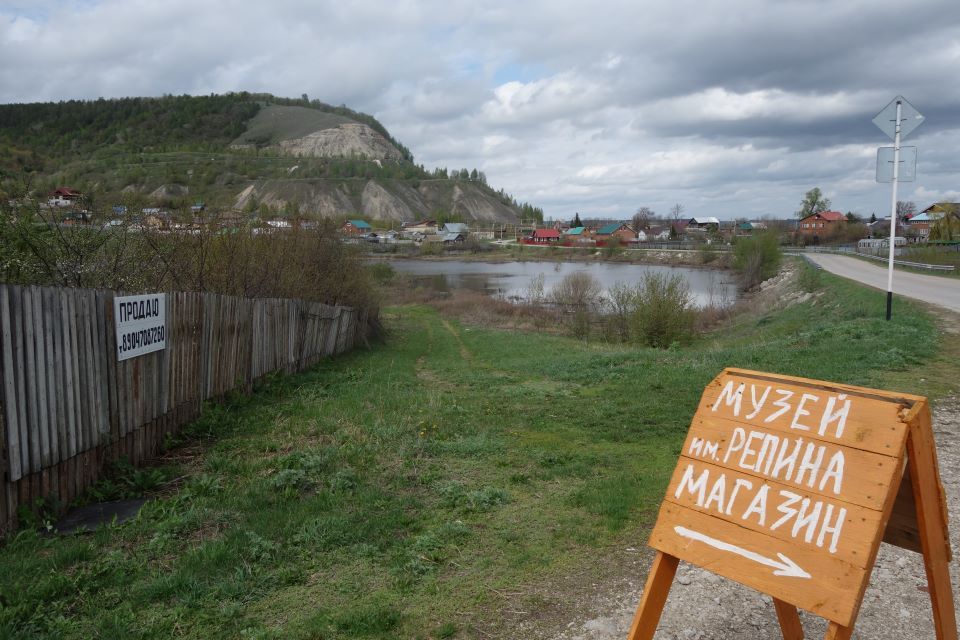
[[68, 406]]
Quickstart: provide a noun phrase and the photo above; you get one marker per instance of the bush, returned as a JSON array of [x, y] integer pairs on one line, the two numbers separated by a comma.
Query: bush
[[664, 311], [757, 258], [578, 294]]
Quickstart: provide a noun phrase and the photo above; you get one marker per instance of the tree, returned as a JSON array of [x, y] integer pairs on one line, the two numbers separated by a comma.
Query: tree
[[576, 221], [813, 202], [676, 211], [873, 218], [905, 208], [852, 217], [641, 219]]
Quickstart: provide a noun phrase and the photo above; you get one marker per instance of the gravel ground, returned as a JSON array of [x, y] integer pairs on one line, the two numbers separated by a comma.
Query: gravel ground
[[703, 606]]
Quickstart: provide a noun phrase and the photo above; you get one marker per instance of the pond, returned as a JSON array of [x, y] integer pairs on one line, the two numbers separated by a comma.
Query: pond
[[511, 280]]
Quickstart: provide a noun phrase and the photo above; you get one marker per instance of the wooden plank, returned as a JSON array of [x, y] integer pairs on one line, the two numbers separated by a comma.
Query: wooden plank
[[831, 588], [902, 530], [932, 521], [789, 620], [40, 377], [815, 524], [780, 455], [853, 417], [76, 436], [100, 393], [30, 380], [15, 295], [110, 349], [68, 446], [163, 366], [58, 379], [9, 390], [838, 632], [86, 329], [53, 362], [654, 597]]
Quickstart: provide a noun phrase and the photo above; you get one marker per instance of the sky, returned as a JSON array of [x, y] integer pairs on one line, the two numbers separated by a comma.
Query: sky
[[731, 108]]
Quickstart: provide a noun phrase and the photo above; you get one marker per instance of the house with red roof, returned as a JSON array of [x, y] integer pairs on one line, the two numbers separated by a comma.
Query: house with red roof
[[819, 226], [64, 197], [544, 236]]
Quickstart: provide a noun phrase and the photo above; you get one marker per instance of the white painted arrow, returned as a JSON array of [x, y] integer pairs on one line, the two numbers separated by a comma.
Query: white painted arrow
[[785, 567]]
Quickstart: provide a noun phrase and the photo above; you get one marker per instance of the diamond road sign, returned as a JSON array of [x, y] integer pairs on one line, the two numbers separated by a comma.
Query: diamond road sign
[[910, 118], [908, 164]]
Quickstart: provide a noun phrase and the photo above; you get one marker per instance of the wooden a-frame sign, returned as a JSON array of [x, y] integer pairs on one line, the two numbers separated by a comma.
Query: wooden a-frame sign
[[788, 486]]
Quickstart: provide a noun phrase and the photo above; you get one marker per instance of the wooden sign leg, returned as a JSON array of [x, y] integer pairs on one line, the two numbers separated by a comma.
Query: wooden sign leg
[[654, 597], [789, 620], [838, 632], [932, 524]]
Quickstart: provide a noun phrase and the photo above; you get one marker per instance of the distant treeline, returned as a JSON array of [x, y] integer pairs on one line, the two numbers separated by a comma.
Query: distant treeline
[[79, 127]]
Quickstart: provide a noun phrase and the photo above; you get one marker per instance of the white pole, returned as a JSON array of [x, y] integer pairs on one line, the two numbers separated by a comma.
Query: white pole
[[893, 211]]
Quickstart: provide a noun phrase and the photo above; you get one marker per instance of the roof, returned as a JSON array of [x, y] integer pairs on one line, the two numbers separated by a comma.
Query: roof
[[360, 224], [453, 236], [829, 216], [576, 231], [920, 217], [421, 223], [705, 220], [456, 227], [609, 229], [942, 207], [67, 192], [546, 233]]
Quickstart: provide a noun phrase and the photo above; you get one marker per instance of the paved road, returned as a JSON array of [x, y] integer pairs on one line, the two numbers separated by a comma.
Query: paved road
[[938, 290]]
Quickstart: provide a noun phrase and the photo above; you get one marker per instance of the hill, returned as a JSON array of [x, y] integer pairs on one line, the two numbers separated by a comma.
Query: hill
[[254, 152]]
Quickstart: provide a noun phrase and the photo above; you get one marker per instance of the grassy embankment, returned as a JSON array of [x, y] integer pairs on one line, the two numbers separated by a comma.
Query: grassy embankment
[[430, 487]]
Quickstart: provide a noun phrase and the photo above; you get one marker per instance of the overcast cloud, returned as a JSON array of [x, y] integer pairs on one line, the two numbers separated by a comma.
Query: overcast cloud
[[732, 108]]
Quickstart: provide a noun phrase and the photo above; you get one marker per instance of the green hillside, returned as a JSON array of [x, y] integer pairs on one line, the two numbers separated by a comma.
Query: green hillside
[[217, 148], [274, 123]]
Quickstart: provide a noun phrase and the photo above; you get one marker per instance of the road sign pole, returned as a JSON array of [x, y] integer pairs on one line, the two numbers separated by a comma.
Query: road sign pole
[[893, 211]]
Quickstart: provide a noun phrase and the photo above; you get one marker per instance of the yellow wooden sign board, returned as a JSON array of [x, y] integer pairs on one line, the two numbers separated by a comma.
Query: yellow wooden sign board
[[788, 486]]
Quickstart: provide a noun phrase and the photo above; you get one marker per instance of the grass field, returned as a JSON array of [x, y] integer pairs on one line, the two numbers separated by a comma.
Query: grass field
[[400, 492]]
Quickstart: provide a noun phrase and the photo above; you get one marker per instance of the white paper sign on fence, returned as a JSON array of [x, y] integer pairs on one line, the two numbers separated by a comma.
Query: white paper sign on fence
[[141, 323]]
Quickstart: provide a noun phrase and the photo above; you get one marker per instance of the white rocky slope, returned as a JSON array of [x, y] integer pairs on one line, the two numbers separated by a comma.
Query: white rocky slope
[[342, 141]]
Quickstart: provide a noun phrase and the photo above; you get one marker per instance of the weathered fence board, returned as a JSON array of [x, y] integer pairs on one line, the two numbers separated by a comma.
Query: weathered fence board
[[68, 407]]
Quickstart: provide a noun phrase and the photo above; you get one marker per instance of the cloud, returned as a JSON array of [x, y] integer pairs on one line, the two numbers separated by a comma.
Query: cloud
[[733, 108]]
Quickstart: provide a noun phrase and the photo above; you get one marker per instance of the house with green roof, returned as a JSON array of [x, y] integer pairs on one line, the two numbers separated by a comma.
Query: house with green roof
[[578, 235], [619, 232], [355, 227]]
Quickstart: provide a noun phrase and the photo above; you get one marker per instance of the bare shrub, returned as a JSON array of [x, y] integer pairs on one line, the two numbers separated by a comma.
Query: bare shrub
[[579, 295], [664, 312]]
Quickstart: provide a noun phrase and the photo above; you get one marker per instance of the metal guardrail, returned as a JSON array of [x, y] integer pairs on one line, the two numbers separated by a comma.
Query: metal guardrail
[[849, 251]]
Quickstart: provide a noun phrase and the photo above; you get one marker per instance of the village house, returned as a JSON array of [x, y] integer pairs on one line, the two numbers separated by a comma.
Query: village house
[[231, 219], [657, 233], [708, 223], [455, 227], [544, 236], [64, 197], [356, 227], [818, 226], [579, 236], [423, 227], [616, 232]]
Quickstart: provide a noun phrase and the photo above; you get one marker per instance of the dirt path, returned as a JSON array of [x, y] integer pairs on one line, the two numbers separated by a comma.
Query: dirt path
[[703, 606]]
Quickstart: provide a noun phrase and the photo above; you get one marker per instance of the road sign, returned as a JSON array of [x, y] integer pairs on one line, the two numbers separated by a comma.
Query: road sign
[[787, 485], [907, 160], [910, 118]]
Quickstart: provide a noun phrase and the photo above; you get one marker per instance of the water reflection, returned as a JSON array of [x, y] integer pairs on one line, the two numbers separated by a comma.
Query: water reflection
[[512, 280]]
